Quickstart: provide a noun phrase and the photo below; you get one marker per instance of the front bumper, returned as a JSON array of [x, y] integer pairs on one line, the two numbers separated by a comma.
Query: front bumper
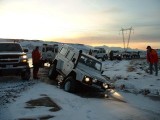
[[96, 86], [16, 68]]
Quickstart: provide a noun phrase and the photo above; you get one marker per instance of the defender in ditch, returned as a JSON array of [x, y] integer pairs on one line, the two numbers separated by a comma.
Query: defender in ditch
[[78, 68]]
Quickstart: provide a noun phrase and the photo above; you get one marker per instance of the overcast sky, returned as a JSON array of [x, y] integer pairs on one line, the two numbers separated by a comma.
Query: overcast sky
[[94, 22]]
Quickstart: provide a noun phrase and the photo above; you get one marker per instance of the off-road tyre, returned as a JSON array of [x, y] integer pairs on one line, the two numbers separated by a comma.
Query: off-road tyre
[[103, 58], [25, 75], [69, 84]]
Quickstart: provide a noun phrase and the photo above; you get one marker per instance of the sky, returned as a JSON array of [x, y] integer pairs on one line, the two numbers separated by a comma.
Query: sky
[[92, 22]]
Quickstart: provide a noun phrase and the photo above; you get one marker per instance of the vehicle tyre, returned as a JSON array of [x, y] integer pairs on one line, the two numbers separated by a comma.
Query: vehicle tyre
[[69, 84], [103, 58], [96, 56], [25, 75], [52, 74], [41, 63]]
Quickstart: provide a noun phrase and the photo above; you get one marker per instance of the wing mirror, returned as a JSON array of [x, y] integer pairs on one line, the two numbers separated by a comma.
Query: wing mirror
[[25, 50]]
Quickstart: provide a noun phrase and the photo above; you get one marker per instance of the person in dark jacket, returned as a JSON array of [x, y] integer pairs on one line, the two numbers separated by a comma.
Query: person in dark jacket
[[152, 58], [36, 56], [90, 52]]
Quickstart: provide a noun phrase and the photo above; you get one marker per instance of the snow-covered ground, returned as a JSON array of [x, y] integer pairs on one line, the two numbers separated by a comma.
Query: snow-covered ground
[[133, 76], [74, 106]]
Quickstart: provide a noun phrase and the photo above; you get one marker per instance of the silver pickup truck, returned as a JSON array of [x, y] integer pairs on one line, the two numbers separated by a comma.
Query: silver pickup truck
[[13, 60]]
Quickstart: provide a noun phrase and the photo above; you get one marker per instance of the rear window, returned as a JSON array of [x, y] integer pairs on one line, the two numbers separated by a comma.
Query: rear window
[[4, 47]]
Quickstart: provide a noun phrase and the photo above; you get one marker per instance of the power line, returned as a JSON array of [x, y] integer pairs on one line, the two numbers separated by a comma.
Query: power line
[[129, 36]]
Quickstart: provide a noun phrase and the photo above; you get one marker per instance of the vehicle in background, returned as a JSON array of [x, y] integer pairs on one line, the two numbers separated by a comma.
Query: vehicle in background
[[78, 68], [99, 53], [135, 54], [118, 55], [48, 53], [13, 60], [115, 55]]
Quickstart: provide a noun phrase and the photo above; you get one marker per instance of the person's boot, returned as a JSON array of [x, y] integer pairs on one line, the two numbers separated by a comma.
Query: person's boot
[[35, 74]]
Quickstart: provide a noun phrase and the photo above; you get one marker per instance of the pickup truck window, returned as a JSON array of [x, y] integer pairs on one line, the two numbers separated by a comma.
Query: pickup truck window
[[4, 47]]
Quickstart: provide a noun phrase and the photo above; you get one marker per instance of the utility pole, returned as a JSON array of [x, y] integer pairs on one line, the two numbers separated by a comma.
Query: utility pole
[[124, 42]]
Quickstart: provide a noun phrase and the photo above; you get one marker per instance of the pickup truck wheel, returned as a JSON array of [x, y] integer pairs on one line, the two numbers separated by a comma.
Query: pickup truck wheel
[[52, 74], [69, 84], [25, 75], [103, 58]]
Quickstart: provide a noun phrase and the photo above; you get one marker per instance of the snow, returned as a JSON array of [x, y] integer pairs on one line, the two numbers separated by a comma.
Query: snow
[[76, 107], [132, 74], [130, 78]]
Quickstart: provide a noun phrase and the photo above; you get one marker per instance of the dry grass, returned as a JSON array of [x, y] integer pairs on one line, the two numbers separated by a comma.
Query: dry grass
[[131, 69]]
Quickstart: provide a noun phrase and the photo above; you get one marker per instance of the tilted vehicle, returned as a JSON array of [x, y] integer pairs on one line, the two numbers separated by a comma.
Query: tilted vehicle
[[13, 60], [78, 68]]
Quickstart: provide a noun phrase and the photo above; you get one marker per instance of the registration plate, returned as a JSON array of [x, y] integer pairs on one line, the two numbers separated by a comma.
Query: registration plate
[[9, 66]]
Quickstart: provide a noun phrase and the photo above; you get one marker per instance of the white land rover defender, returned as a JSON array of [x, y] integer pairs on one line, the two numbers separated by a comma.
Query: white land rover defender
[[49, 52], [13, 60], [78, 68]]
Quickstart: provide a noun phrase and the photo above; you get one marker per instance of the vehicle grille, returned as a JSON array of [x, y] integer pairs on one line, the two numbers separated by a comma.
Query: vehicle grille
[[4, 59]]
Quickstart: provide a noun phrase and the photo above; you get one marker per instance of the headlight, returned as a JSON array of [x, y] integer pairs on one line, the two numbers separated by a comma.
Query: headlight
[[87, 80], [24, 58], [105, 85], [94, 80]]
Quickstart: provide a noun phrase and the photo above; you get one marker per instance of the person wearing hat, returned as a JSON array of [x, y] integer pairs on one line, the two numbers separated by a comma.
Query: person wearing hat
[[152, 58], [36, 56]]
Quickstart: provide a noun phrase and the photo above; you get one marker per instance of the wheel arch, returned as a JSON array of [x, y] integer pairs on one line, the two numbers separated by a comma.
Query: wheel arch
[[73, 74]]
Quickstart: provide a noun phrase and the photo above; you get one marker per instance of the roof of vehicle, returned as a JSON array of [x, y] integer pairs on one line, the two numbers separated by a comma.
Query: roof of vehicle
[[90, 56], [78, 50], [9, 43]]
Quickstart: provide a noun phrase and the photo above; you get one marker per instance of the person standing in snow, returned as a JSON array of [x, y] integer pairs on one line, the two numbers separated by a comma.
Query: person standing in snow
[[111, 55], [152, 58], [90, 52], [36, 56]]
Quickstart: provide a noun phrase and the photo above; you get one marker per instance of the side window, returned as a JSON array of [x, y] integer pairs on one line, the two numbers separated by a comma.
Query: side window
[[63, 51], [70, 55]]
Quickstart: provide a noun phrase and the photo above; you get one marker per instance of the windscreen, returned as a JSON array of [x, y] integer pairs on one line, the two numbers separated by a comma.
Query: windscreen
[[90, 62], [10, 47]]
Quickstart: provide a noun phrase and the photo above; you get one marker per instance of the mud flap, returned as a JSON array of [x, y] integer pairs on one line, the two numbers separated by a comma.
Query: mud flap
[[112, 93]]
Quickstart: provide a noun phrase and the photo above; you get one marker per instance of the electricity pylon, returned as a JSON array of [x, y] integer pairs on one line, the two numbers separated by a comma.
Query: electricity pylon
[[124, 42]]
